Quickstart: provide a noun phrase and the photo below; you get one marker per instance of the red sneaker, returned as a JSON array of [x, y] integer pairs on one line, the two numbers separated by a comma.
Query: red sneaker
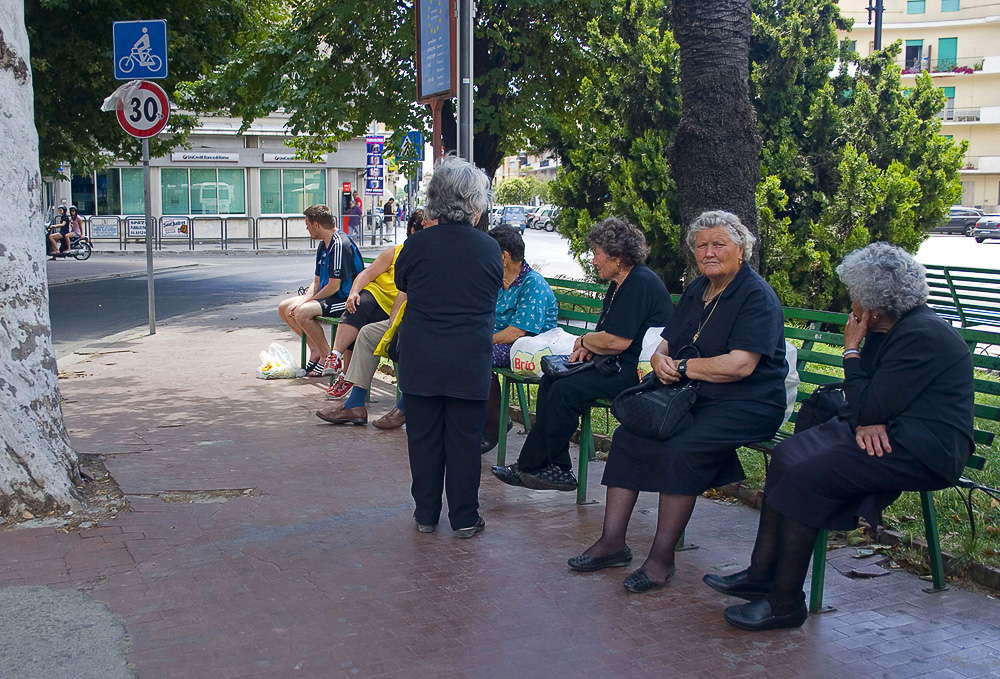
[[339, 389], [332, 365]]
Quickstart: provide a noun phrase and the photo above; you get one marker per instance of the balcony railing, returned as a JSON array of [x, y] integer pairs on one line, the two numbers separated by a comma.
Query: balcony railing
[[960, 65], [959, 115]]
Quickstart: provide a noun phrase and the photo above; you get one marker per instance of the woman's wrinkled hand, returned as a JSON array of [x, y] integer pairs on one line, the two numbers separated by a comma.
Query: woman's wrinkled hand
[[874, 438], [580, 354], [665, 368], [856, 328]]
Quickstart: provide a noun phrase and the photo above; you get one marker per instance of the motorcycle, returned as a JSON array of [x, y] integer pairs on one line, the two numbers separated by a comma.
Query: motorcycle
[[80, 247]]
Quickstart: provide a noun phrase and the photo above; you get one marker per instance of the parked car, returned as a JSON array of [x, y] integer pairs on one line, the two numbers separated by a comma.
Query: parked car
[[531, 214], [513, 215], [548, 220], [988, 226], [961, 220]]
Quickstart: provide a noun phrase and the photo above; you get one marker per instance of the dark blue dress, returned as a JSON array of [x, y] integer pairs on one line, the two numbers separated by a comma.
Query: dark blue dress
[[747, 316]]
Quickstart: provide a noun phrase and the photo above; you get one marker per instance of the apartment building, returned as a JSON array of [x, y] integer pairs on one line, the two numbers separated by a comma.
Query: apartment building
[[958, 43]]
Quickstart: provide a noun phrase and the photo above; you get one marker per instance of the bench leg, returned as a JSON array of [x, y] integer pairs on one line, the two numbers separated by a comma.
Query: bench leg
[[933, 542], [818, 574], [303, 351], [504, 410], [523, 400], [586, 446]]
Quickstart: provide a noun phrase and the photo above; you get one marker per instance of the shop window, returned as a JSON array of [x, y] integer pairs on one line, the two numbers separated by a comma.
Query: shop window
[[133, 192], [291, 191], [916, 6], [109, 192], [82, 192], [232, 192], [174, 191]]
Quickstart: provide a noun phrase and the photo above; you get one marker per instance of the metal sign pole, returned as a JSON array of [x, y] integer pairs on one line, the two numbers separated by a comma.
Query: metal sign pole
[[149, 236], [466, 12]]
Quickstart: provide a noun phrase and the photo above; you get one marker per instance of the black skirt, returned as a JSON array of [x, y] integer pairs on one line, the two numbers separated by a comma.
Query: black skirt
[[822, 478], [702, 456]]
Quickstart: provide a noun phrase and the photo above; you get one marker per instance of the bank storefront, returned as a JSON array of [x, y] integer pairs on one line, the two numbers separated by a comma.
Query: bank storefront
[[227, 186]]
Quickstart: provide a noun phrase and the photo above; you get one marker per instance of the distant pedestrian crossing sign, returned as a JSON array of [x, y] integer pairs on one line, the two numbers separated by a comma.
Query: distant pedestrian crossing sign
[[412, 147]]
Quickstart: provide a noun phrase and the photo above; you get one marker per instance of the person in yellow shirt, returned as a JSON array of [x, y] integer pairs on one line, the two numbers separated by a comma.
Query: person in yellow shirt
[[369, 301]]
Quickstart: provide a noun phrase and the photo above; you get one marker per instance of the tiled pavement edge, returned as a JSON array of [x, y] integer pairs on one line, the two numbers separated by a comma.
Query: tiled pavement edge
[[320, 572]]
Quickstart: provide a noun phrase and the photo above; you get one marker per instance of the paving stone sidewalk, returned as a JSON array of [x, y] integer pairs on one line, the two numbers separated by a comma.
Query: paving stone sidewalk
[[265, 543]]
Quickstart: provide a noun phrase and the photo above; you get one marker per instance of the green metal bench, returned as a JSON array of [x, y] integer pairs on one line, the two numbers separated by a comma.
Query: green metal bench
[[819, 362], [963, 295]]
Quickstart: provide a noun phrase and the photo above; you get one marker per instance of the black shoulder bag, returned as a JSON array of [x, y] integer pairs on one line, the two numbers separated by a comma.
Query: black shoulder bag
[[823, 405], [654, 410]]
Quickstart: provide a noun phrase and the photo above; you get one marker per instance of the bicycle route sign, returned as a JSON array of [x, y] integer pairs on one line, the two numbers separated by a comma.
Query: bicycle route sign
[[140, 49], [145, 112]]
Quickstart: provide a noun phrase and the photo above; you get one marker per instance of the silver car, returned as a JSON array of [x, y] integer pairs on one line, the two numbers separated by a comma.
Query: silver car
[[988, 226]]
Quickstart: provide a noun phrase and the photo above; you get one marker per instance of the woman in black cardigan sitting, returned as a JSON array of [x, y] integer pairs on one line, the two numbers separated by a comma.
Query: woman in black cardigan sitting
[[906, 426]]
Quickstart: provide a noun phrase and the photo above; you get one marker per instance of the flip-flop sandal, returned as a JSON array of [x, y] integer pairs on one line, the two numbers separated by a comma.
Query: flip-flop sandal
[[314, 369]]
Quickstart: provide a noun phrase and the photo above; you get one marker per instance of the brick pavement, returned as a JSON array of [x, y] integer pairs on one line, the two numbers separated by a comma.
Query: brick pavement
[[321, 573]]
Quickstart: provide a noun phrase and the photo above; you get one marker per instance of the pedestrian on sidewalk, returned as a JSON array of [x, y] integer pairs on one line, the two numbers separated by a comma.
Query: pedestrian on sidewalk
[[451, 275]]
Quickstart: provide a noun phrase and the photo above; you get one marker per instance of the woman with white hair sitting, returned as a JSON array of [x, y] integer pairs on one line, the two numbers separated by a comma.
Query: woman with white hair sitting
[[906, 425]]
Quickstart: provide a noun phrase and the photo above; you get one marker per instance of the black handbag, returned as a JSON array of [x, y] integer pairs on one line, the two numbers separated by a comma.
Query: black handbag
[[654, 410], [559, 366], [822, 406]]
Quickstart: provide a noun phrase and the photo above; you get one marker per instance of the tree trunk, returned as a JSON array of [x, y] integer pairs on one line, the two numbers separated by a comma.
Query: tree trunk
[[715, 151], [38, 468]]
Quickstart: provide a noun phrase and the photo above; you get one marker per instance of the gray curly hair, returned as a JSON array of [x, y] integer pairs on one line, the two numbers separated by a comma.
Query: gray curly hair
[[617, 237], [883, 277], [457, 191], [718, 219]]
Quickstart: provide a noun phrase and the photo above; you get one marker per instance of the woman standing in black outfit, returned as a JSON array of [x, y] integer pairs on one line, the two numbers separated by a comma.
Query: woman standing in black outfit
[[451, 275], [732, 316], [907, 425]]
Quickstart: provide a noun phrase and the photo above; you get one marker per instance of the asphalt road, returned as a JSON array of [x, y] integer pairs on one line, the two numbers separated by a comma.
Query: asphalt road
[[86, 311]]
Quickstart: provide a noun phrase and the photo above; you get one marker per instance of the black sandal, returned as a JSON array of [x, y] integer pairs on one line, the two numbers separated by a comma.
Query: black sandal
[[550, 478]]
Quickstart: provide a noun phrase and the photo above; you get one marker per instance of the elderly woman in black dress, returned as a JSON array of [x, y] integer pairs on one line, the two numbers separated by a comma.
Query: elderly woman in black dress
[[734, 320], [907, 425], [451, 275], [636, 300]]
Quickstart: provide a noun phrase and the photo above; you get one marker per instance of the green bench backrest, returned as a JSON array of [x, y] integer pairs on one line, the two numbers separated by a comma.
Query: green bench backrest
[[966, 295]]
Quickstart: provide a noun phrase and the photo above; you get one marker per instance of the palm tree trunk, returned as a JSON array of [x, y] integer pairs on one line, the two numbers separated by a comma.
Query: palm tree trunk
[[715, 151]]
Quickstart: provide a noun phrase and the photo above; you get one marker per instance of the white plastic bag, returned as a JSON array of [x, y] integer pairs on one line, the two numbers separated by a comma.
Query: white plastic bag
[[526, 352], [650, 341], [277, 363], [792, 380]]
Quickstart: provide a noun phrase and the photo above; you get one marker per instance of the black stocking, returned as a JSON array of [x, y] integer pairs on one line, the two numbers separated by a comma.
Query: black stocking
[[765, 547], [671, 520], [795, 547], [617, 512]]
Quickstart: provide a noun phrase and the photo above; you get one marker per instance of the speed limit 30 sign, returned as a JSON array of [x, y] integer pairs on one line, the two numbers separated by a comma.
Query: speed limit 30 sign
[[145, 112]]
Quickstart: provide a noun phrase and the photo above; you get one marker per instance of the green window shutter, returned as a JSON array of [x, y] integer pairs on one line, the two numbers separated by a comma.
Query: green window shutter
[[916, 6], [947, 54], [949, 5]]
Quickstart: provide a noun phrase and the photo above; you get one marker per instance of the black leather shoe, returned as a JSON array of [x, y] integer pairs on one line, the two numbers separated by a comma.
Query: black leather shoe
[[510, 474], [738, 585], [639, 583], [490, 442], [622, 557], [756, 616]]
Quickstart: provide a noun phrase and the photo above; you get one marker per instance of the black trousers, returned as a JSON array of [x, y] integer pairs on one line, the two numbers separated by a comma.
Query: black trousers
[[443, 436], [558, 409]]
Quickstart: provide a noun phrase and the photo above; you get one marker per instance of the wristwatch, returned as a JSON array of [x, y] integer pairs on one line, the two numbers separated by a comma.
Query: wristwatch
[[682, 368]]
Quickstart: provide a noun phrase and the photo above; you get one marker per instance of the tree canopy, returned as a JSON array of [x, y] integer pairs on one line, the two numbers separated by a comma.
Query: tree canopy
[[848, 156], [337, 65], [72, 70]]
